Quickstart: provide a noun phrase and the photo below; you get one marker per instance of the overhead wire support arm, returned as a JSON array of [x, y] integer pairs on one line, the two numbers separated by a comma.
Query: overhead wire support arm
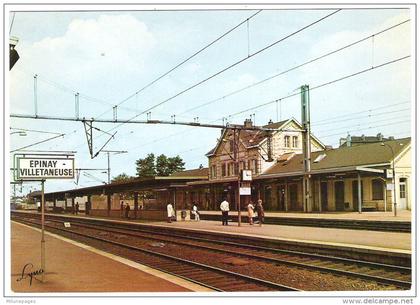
[[92, 120], [89, 138]]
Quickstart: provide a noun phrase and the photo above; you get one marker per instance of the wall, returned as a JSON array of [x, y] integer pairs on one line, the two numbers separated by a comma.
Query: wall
[[99, 202]]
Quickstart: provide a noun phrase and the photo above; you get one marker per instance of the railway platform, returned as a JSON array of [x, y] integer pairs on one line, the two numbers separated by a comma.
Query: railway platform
[[377, 221], [366, 240], [74, 267]]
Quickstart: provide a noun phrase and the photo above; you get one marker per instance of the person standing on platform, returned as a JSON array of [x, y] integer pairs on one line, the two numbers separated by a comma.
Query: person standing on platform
[[224, 207], [127, 211], [260, 212], [122, 209], [195, 212], [77, 208], [171, 212], [250, 208]]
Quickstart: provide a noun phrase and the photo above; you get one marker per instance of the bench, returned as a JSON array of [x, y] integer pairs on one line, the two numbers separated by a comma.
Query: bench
[[369, 206]]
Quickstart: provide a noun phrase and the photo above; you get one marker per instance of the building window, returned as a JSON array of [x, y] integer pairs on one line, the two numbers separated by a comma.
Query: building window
[[213, 171], [377, 189], [287, 141], [255, 166], [403, 188], [223, 169], [295, 141]]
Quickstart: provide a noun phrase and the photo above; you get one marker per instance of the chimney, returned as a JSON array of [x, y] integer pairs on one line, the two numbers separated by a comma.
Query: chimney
[[348, 140], [248, 123], [328, 147]]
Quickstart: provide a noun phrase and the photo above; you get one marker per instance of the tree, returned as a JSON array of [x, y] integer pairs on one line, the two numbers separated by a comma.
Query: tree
[[175, 164], [161, 166], [121, 178], [146, 167]]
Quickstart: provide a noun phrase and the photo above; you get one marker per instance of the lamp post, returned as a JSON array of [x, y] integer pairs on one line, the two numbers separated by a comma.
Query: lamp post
[[393, 177]]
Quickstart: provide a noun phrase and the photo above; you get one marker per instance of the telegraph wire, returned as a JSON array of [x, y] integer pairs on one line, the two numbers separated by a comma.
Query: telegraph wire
[[227, 68], [365, 128], [295, 67], [353, 113], [319, 86], [353, 125]]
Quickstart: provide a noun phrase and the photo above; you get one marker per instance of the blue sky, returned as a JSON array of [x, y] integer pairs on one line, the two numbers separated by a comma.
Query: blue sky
[[108, 56]]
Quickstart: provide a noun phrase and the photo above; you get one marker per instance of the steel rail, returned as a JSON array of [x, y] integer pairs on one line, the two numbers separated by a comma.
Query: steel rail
[[189, 263], [358, 263], [379, 279]]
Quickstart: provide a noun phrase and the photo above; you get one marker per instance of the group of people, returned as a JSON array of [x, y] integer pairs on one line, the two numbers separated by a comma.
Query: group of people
[[224, 207], [125, 210], [171, 212]]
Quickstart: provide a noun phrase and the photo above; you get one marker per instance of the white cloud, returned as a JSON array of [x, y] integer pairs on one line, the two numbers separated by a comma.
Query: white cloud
[[92, 52]]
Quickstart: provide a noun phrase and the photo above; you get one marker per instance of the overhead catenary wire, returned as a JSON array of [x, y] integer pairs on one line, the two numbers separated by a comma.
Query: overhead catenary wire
[[295, 67], [316, 87], [278, 74], [321, 85], [341, 128], [185, 60], [228, 67]]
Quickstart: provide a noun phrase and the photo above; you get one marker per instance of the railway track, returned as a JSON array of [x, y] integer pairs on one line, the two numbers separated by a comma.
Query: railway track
[[212, 277], [397, 276]]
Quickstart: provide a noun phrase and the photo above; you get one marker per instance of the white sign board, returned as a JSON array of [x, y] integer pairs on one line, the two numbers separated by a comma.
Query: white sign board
[[35, 168], [388, 173], [390, 186], [244, 191]]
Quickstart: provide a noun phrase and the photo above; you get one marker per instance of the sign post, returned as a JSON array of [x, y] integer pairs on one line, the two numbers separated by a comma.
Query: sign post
[[42, 232], [39, 167]]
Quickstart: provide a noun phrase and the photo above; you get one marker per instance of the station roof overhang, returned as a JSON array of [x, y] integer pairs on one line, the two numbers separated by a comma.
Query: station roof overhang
[[212, 182], [141, 184], [348, 170]]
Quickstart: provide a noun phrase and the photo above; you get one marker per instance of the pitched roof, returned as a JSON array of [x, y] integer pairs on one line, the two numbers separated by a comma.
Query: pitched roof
[[197, 172], [367, 154], [250, 138]]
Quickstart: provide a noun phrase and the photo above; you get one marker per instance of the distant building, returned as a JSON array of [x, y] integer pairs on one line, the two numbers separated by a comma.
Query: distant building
[[356, 140]]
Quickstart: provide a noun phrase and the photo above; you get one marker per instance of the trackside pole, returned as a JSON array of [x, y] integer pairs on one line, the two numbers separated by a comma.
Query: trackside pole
[[42, 232]]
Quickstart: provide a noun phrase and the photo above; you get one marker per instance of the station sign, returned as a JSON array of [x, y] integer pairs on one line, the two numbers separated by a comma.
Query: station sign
[[41, 168], [243, 191], [388, 173]]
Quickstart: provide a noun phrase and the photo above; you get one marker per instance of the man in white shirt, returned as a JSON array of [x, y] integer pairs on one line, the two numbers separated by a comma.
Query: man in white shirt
[[171, 212], [195, 212], [224, 207]]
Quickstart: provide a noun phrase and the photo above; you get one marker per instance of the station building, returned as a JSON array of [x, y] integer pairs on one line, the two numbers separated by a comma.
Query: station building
[[335, 177]]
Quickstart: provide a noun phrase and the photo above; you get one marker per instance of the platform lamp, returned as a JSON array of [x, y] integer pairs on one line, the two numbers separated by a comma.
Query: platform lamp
[[393, 175]]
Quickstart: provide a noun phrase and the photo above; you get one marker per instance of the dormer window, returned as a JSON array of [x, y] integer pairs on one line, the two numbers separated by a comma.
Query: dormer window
[[287, 141], [319, 158]]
